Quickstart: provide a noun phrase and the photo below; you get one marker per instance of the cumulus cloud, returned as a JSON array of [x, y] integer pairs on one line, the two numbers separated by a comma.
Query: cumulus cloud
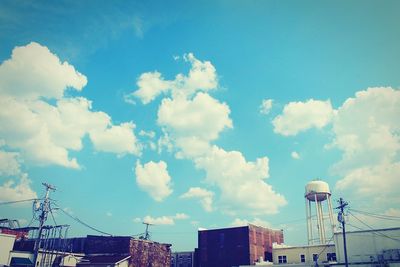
[[205, 197], [165, 220], [295, 155], [242, 183], [44, 131], [12, 191], [367, 129], [186, 118], [34, 72], [154, 179], [9, 163], [191, 120], [266, 106], [117, 139], [300, 116], [255, 221], [202, 77]]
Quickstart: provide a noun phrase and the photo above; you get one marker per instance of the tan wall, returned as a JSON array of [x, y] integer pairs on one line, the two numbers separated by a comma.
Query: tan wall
[[293, 253]]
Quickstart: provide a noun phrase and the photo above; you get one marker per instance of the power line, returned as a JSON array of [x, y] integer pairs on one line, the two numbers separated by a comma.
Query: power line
[[18, 201], [379, 216], [85, 224], [373, 230]]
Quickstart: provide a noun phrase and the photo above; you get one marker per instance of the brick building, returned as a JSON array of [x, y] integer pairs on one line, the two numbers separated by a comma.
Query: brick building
[[236, 246]]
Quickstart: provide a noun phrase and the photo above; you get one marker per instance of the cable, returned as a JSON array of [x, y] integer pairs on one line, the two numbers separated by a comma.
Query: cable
[[52, 216], [373, 230], [83, 223], [379, 216], [330, 239], [18, 201]]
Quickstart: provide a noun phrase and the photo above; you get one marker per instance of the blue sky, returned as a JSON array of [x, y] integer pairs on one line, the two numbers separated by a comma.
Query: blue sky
[[198, 114]]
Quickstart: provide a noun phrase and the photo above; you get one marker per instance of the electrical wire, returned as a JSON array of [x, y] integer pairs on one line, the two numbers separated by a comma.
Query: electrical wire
[[379, 216], [52, 216], [85, 224], [373, 230], [330, 239], [18, 201]]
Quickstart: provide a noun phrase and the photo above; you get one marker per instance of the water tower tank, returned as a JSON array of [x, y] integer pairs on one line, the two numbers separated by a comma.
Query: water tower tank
[[317, 189], [317, 196]]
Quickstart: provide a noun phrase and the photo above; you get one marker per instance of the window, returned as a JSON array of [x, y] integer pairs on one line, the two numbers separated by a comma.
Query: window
[[282, 259], [315, 257], [331, 256], [302, 258]]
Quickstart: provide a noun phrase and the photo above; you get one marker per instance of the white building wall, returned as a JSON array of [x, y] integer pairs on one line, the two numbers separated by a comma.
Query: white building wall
[[293, 254], [365, 246], [6, 245]]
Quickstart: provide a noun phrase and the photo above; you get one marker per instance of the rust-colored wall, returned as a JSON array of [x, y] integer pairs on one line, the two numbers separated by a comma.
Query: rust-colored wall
[[147, 253], [143, 253], [261, 240]]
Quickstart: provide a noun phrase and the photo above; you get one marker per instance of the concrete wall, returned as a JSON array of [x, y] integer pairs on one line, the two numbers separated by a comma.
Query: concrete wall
[[6, 245], [293, 253], [365, 246]]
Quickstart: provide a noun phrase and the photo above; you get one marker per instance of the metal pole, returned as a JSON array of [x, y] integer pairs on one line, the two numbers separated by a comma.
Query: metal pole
[[42, 219], [343, 204]]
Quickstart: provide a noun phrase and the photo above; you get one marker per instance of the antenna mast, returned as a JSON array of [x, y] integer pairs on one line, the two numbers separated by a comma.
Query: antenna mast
[[147, 233]]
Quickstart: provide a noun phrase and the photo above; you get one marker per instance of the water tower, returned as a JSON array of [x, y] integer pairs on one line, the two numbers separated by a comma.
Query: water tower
[[317, 197]]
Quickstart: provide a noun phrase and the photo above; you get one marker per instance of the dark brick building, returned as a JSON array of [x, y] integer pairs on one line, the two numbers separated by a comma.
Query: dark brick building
[[236, 246]]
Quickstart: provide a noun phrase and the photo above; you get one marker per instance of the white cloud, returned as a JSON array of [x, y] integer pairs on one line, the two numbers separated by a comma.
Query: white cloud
[[255, 221], [151, 84], [117, 139], [149, 134], [202, 77], [108, 214], [44, 132], [181, 216], [205, 197], [11, 191], [300, 116], [242, 183], [191, 120], [295, 155], [186, 118], [154, 179], [165, 220], [9, 164], [367, 130], [33, 72], [266, 106]]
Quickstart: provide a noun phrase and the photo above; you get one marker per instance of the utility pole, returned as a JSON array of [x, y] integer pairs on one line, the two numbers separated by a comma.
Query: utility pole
[[147, 234], [44, 208], [342, 205]]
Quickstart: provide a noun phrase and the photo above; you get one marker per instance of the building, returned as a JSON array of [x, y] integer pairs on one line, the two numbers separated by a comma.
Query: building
[[320, 224], [122, 251], [105, 261], [370, 247], [304, 255], [6, 245], [182, 259], [236, 246], [141, 252]]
